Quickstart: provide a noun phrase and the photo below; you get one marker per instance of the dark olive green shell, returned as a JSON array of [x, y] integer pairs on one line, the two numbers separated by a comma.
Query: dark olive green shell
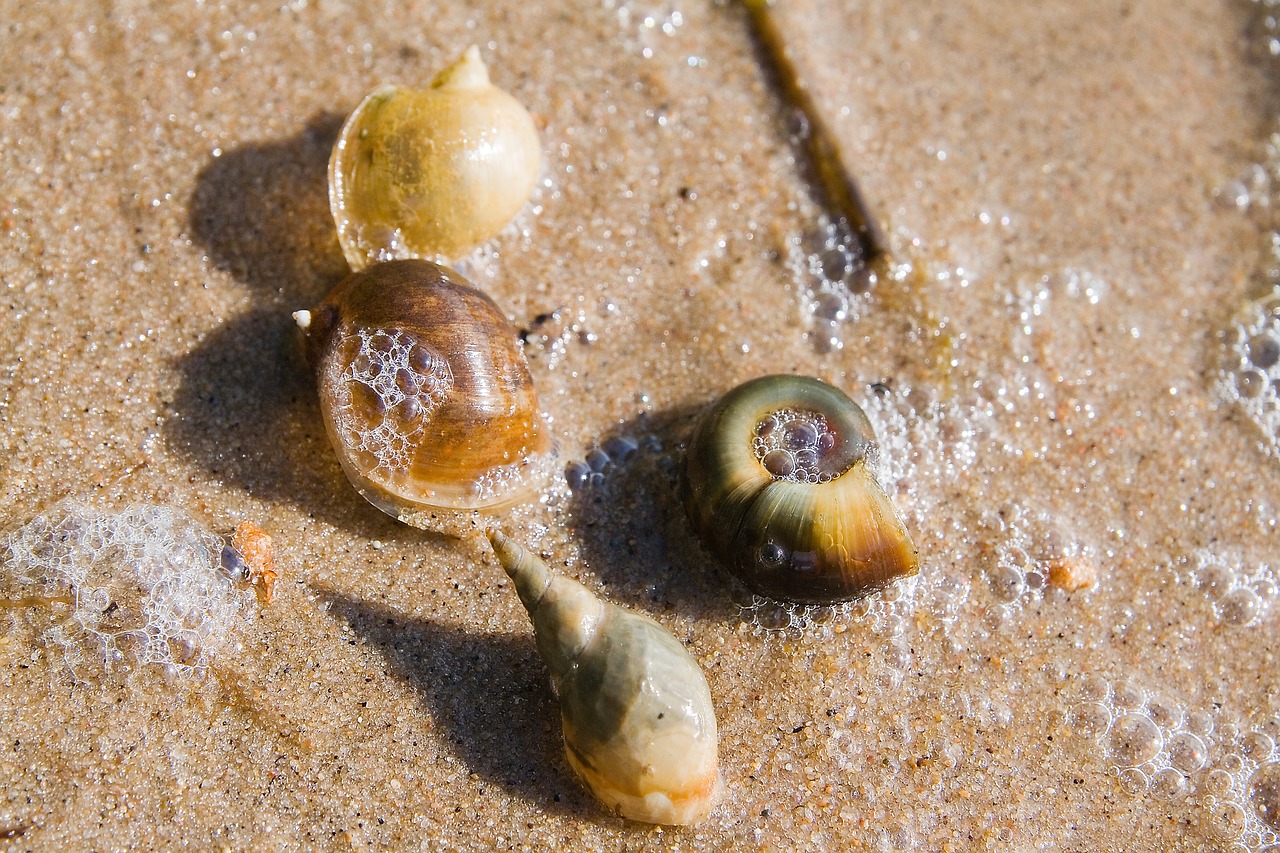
[[834, 538]]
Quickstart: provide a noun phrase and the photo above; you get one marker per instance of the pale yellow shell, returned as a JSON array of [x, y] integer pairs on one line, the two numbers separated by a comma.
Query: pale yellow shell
[[431, 173], [639, 726]]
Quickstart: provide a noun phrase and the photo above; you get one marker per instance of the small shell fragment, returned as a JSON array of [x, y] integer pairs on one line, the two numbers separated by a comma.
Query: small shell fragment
[[1072, 573], [253, 559]]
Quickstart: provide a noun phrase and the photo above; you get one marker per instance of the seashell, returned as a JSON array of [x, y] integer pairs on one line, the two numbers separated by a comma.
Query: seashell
[[639, 726], [777, 485], [249, 556], [431, 173], [425, 391]]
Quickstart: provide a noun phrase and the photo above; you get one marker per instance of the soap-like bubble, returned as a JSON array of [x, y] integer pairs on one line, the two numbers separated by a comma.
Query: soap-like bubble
[[1169, 784], [1007, 583], [1264, 793], [1229, 819], [1200, 722], [1164, 712], [1091, 719], [1217, 782], [1257, 746], [1129, 696], [1094, 688], [1135, 740], [1240, 607], [1215, 579], [1133, 781], [1187, 752]]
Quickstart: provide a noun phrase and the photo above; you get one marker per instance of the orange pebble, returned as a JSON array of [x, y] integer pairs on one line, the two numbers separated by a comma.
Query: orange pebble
[[1072, 573]]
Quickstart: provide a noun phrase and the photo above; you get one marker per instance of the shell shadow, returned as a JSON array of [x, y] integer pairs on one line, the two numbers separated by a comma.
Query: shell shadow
[[246, 412], [631, 525], [262, 212], [245, 407], [489, 695]]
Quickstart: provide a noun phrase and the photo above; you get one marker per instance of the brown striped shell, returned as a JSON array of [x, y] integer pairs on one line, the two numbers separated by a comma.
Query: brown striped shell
[[425, 391]]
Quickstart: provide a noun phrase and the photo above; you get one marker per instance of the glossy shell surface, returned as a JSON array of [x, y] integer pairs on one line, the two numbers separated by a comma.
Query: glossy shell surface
[[431, 173], [639, 726], [777, 485], [425, 391]]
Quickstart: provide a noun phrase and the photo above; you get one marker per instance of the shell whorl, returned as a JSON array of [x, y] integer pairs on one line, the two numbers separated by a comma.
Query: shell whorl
[[778, 487], [565, 615], [425, 391]]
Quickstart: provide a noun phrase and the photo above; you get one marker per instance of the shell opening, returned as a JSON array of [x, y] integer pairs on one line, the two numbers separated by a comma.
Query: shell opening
[[804, 447]]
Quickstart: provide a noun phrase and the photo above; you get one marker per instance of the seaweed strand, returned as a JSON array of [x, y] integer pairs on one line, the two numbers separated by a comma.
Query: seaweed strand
[[843, 197]]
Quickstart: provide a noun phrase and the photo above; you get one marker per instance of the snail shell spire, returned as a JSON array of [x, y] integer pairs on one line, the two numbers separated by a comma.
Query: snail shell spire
[[639, 726]]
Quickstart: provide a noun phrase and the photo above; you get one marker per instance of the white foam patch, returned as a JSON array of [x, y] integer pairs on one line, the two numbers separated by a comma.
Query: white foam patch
[[923, 445], [385, 395], [146, 584]]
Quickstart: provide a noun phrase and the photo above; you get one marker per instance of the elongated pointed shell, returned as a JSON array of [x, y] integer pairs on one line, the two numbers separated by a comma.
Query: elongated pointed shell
[[776, 485], [431, 173], [425, 391], [639, 727]]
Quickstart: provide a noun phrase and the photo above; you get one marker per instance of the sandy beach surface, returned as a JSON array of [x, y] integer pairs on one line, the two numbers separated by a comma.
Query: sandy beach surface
[[1072, 364]]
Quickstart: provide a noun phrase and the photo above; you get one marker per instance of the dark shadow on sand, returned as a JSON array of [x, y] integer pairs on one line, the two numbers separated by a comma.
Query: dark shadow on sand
[[490, 695], [633, 531], [245, 409]]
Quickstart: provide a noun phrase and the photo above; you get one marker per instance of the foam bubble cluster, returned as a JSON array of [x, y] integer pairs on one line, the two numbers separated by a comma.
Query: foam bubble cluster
[[1241, 592], [1252, 370], [145, 583], [386, 394], [834, 282], [1156, 748], [793, 445]]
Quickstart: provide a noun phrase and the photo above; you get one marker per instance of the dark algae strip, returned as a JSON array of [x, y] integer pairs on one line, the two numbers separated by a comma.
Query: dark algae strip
[[843, 198]]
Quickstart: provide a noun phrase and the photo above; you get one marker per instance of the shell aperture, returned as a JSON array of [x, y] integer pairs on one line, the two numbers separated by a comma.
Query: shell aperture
[[639, 725]]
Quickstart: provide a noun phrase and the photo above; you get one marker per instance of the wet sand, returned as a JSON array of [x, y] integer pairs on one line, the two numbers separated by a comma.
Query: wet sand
[[1077, 200]]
